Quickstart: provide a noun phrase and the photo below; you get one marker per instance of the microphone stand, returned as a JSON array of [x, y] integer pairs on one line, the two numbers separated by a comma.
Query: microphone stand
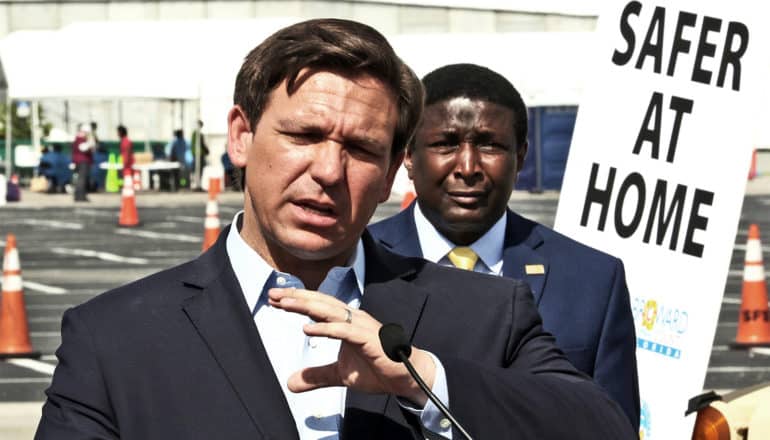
[[433, 398]]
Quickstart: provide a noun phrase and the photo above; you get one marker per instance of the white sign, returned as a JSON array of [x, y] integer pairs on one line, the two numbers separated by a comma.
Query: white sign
[[656, 175]]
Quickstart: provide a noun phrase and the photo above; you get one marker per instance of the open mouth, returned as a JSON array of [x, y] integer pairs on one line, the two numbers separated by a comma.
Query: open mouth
[[317, 208]]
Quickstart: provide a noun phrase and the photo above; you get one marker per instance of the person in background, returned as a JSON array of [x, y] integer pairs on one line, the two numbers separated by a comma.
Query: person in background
[[200, 152], [82, 157], [100, 156], [55, 167], [126, 151], [464, 161], [230, 174], [45, 169], [177, 151]]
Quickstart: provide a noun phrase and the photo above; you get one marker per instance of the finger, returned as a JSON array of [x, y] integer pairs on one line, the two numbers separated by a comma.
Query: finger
[[317, 310], [312, 378], [277, 294], [339, 330]]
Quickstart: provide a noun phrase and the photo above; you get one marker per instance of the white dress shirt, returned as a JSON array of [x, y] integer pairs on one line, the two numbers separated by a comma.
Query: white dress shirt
[[435, 247], [317, 413]]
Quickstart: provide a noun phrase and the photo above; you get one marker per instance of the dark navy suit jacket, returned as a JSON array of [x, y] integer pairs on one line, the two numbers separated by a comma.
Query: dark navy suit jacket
[[177, 356], [582, 297]]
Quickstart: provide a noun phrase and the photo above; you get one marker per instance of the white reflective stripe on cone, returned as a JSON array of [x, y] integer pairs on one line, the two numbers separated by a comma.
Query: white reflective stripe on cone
[[211, 222], [754, 251], [753, 272], [11, 260], [12, 283]]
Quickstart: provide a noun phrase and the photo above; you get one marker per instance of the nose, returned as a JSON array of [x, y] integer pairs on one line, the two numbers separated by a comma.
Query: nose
[[328, 165], [467, 160]]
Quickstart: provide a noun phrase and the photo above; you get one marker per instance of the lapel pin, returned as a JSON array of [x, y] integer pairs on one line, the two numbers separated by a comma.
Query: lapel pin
[[534, 269]]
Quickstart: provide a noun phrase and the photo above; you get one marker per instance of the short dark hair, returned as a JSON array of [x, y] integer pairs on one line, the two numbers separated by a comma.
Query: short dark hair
[[477, 82], [342, 45], [122, 131]]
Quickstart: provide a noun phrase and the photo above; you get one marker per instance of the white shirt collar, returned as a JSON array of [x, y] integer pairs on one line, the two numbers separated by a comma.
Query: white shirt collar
[[489, 247], [252, 271]]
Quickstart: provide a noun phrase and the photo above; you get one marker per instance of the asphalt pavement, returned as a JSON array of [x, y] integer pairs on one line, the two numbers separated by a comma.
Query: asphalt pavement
[[70, 252]]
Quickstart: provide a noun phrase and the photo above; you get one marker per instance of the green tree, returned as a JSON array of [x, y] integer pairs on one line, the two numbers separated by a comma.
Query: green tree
[[20, 127]]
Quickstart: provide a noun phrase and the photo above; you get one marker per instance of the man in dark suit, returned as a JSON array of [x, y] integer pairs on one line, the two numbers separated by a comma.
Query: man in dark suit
[[273, 332], [464, 160]]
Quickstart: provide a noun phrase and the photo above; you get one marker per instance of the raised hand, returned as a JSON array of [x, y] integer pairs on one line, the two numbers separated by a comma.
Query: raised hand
[[361, 363]]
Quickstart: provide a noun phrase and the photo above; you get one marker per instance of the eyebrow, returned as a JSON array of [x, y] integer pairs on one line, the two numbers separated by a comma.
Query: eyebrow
[[294, 125]]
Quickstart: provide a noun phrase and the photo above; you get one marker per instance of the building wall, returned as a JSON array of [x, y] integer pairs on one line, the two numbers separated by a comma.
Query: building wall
[[389, 18]]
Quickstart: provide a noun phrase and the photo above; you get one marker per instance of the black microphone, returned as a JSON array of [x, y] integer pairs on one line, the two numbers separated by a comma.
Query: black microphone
[[397, 348]]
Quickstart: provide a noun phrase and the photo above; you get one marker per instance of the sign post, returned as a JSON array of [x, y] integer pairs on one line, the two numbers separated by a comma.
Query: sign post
[[656, 175]]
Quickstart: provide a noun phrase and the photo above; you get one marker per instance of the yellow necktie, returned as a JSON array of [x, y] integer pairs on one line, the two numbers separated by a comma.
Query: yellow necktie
[[463, 257]]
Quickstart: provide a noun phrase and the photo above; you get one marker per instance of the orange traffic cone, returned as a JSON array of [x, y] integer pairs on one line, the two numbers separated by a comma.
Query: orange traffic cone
[[753, 168], [754, 316], [137, 180], [14, 331], [215, 186], [409, 196], [211, 224], [128, 215]]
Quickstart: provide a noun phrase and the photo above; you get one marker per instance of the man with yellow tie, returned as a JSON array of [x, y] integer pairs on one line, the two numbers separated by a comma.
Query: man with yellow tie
[[464, 160]]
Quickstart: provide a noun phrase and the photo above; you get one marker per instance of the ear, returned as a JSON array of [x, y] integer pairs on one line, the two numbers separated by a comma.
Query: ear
[[239, 136], [395, 164], [408, 161], [521, 153]]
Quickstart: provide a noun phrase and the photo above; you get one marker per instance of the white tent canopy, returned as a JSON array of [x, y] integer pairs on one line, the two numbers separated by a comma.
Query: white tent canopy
[[142, 59], [198, 60], [546, 67]]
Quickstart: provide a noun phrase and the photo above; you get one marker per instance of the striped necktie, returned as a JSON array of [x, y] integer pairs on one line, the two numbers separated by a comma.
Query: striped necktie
[[463, 257]]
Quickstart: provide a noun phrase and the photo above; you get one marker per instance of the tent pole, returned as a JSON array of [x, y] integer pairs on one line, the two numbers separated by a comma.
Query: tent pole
[[8, 136], [67, 116], [35, 125], [146, 128]]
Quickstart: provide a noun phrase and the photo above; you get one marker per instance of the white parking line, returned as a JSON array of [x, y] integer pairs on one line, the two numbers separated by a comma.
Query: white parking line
[[45, 334], [31, 285], [764, 351], [40, 367], [160, 235], [106, 256], [53, 290], [25, 380], [732, 369], [49, 306], [40, 319], [726, 300], [97, 213], [186, 219], [55, 224]]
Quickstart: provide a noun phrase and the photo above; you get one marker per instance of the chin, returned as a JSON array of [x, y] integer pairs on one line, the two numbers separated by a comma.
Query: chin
[[313, 247]]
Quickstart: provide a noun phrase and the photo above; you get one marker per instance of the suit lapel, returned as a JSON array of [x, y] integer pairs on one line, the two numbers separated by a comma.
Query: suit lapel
[[222, 319], [390, 298], [521, 259], [401, 234]]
